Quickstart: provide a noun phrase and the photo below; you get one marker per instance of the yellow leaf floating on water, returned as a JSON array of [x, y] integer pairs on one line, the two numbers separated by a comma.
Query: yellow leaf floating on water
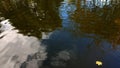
[[99, 63]]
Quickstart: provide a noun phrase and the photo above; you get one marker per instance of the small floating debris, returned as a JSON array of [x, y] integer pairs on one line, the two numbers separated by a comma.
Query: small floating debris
[[99, 63]]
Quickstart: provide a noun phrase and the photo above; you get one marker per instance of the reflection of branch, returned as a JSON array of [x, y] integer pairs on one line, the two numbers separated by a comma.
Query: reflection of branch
[[78, 4], [115, 40]]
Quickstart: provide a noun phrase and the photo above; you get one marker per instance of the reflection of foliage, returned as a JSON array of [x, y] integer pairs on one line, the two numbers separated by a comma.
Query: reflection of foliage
[[28, 22], [100, 21]]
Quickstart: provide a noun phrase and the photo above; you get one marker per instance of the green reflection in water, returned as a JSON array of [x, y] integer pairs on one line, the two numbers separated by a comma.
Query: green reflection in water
[[103, 22], [32, 17]]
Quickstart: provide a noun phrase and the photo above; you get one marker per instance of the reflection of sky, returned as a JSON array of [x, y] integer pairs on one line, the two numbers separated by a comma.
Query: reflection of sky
[[84, 48], [100, 3], [15, 47], [65, 10], [80, 48]]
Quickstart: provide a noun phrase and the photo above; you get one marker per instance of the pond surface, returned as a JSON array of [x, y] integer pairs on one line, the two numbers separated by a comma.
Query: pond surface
[[60, 34]]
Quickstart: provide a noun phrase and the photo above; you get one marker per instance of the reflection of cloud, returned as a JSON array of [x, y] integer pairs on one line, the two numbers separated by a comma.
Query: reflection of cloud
[[58, 63], [64, 55], [5, 25], [46, 35], [32, 64], [15, 48], [61, 59]]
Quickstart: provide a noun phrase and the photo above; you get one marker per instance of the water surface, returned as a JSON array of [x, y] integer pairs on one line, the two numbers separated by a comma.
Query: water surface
[[60, 34]]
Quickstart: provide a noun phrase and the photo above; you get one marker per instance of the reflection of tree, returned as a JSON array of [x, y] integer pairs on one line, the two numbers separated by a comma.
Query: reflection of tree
[[100, 21], [27, 22]]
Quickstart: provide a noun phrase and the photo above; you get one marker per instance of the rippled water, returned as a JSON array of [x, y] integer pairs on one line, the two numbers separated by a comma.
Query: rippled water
[[60, 34]]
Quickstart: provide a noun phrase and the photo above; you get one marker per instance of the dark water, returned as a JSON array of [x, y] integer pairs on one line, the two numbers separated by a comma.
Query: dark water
[[60, 34]]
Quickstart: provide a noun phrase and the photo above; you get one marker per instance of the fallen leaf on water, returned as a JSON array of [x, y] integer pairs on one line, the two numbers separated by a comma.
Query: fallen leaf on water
[[99, 63]]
